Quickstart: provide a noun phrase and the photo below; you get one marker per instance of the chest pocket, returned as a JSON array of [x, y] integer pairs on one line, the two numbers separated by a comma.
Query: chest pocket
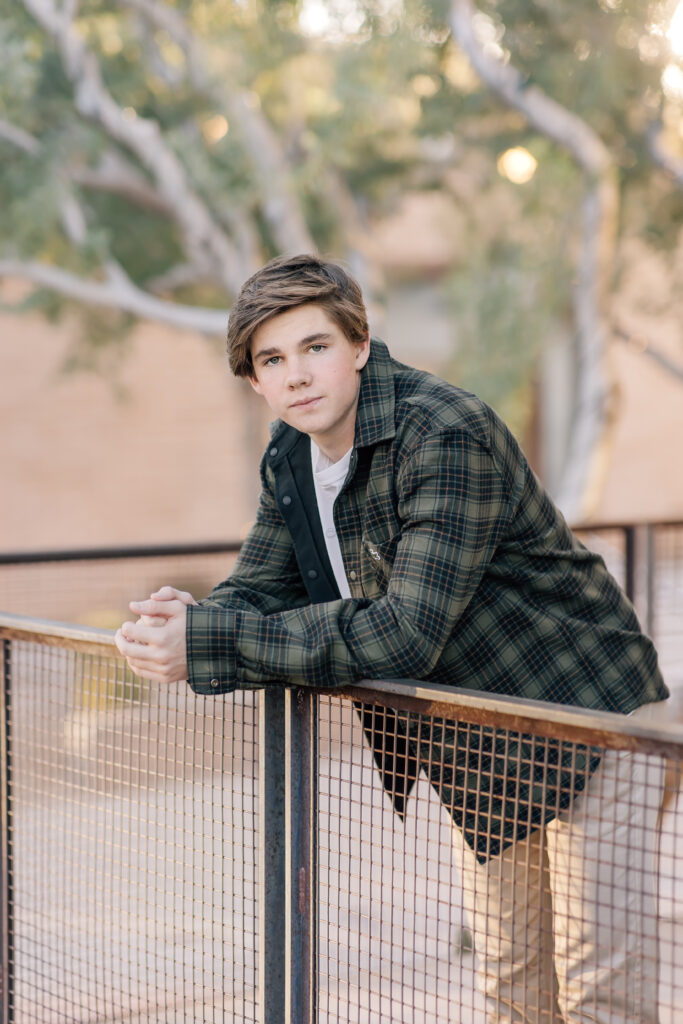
[[377, 562]]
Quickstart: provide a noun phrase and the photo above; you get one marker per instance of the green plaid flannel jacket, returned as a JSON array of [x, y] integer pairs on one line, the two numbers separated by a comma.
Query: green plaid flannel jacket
[[462, 571]]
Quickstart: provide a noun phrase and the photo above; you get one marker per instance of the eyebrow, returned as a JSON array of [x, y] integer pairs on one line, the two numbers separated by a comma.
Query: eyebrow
[[266, 353]]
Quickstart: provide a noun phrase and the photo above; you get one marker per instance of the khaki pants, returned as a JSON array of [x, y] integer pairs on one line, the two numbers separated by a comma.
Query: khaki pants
[[565, 921]]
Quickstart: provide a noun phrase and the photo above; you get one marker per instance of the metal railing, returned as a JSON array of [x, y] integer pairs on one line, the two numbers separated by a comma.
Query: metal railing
[[94, 586], [168, 857], [646, 559]]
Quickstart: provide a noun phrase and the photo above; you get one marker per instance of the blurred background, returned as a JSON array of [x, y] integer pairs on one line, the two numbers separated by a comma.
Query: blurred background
[[505, 180]]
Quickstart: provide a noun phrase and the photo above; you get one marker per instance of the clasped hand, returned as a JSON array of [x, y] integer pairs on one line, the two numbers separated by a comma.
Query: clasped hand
[[154, 646]]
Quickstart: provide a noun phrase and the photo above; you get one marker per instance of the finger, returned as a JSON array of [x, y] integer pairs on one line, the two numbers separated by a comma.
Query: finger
[[153, 620], [139, 633], [129, 649], [153, 607], [163, 609], [170, 594], [165, 594]]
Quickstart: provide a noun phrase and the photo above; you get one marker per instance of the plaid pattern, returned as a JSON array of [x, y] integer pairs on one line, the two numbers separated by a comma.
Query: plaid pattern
[[461, 569]]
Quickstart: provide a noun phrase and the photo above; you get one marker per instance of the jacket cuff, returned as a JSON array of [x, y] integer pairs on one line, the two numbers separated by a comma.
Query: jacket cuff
[[210, 650]]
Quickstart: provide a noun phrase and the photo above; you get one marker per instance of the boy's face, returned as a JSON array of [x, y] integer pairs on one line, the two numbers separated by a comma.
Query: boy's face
[[309, 374]]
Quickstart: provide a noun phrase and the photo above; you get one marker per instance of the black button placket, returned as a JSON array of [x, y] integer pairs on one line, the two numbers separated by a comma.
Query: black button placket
[[353, 465], [317, 577]]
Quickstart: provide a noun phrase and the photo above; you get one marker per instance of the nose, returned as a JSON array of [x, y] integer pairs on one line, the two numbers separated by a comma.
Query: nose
[[298, 374]]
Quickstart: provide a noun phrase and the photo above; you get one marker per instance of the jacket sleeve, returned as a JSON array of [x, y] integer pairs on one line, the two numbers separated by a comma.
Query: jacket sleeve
[[265, 580], [454, 504]]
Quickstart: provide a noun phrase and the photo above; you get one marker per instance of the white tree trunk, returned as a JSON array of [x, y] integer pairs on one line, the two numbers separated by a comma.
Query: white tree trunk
[[591, 412]]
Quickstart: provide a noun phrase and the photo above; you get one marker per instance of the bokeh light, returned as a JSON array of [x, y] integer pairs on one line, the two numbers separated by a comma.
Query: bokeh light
[[517, 165]]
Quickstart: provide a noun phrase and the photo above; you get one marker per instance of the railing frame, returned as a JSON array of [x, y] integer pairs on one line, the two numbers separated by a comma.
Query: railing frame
[[287, 796], [287, 905], [5, 836], [639, 557]]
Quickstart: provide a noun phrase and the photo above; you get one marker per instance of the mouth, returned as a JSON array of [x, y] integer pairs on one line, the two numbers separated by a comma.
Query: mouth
[[305, 403]]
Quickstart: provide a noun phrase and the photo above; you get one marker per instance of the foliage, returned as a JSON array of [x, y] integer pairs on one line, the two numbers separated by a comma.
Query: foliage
[[380, 102]]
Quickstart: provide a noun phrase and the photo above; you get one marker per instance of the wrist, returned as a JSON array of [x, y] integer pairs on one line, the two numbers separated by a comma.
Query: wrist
[[210, 650]]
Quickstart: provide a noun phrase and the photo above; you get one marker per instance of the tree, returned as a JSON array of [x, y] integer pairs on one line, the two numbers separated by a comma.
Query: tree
[[155, 154]]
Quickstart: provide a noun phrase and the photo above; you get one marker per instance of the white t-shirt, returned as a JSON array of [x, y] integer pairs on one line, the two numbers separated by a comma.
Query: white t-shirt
[[328, 478]]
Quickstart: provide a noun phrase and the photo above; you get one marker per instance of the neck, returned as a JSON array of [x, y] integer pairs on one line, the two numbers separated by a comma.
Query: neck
[[335, 451]]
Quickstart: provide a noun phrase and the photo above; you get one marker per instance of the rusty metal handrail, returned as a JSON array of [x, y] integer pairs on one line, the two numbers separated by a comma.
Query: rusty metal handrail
[[287, 788], [559, 721]]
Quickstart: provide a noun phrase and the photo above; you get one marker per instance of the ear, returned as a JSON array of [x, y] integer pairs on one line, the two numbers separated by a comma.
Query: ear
[[362, 351], [255, 385]]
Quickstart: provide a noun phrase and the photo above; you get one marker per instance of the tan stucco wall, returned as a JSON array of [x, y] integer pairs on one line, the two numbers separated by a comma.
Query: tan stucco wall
[[161, 455], [644, 477], [163, 447]]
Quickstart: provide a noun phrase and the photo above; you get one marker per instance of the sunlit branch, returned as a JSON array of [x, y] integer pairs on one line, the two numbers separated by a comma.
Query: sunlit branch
[[206, 244], [269, 166], [116, 175], [117, 292], [18, 137], [661, 156], [643, 346]]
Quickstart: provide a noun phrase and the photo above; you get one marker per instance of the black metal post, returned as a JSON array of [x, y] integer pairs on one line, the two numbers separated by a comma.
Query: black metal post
[[630, 566], [302, 791], [640, 573], [287, 855], [272, 856], [6, 929]]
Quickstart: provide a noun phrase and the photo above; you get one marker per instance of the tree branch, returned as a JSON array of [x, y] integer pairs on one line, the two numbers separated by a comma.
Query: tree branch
[[643, 346], [118, 292], [18, 137], [543, 113], [269, 165], [661, 156], [116, 175], [594, 272], [175, 277], [206, 243], [113, 174], [72, 216]]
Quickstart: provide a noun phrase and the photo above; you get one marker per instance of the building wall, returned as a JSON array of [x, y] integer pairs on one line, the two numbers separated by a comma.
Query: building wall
[[155, 448]]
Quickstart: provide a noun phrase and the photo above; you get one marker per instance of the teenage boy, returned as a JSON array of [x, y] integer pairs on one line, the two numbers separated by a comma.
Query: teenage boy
[[401, 533]]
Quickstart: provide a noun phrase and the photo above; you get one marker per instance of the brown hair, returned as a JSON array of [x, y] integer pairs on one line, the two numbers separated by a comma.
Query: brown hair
[[284, 283]]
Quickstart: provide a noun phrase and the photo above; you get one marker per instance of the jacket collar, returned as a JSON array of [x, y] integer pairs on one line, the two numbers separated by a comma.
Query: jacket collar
[[375, 413]]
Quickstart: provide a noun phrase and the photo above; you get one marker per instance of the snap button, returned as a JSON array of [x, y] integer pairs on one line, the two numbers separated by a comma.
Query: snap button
[[312, 574], [286, 500], [214, 682], [352, 574], [273, 452]]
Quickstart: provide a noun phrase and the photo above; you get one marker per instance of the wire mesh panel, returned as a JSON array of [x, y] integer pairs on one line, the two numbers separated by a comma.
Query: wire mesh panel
[[393, 943], [131, 841], [475, 873]]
